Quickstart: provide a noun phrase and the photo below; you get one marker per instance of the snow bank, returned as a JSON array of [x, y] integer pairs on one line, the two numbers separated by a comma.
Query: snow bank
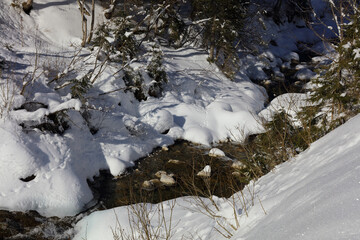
[[290, 103], [206, 105], [57, 168]]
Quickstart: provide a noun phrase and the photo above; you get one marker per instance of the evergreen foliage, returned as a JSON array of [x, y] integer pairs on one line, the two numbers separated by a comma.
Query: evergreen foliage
[[280, 141], [222, 31], [79, 87], [337, 90], [156, 71], [134, 83]]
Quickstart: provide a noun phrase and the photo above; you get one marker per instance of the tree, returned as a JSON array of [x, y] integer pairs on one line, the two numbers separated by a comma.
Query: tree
[[222, 30], [335, 96], [223, 23]]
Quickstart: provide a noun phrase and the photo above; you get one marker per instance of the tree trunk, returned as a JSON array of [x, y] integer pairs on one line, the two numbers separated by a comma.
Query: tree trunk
[[92, 21], [27, 6]]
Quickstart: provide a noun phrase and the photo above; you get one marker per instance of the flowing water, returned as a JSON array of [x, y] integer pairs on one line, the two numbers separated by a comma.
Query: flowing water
[[182, 162]]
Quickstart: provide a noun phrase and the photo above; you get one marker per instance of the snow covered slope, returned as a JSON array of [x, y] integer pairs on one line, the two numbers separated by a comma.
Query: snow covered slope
[[313, 196]]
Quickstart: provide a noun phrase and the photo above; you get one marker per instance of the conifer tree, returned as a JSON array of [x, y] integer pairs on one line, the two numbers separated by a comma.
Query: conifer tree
[[224, 22], [337, 90]]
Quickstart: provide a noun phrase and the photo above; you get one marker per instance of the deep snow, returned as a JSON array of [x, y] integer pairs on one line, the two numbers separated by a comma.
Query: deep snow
[[313, 196], [199, 104]]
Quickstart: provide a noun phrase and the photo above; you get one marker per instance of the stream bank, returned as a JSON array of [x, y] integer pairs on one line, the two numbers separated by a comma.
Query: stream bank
[[182, 161]]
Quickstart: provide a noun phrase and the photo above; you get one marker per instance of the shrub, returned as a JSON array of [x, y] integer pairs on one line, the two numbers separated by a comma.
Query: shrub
[[156, 71]]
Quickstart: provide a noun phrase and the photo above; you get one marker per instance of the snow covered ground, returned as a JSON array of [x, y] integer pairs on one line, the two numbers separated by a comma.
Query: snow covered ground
[[313, 196], [199, 104]]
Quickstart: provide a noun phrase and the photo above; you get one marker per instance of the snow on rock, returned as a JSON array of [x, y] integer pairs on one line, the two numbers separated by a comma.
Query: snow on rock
[[60, 165], [161, 120], [292, 57], [167, 180], [290, 103], [208, 108], [238, 165], [199, 135], [206, 172], [215, 152], [304, 74]]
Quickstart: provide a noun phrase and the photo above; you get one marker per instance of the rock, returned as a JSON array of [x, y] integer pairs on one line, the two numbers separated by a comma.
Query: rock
[[167, 180], [151, 185], [165, 148], [206, 172], [238, 165], [300, 66], [32, 106], [174, 161], [292, 57], [267, 82], [159, 173], [278, 75], [304, 74], [215, 152], [285, 66]]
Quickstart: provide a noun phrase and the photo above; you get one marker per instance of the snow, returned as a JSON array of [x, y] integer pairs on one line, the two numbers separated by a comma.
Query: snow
[[290, 103], [304, 74], [316, 195], [313, 196], [199, 104]]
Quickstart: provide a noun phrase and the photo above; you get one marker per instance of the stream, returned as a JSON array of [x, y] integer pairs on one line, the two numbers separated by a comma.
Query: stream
[[182, 161]]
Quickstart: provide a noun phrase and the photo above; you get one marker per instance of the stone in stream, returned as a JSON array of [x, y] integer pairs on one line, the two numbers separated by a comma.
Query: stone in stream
[[215, 152], [174, 161], [151, 185], [238, 165], [206, 172], [304, 74], [291, 57], [166, 179], [278, 75], [159, 173]]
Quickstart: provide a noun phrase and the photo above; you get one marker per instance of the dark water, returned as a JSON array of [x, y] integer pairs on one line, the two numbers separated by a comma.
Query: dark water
[[126, 189], [189, 160]]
